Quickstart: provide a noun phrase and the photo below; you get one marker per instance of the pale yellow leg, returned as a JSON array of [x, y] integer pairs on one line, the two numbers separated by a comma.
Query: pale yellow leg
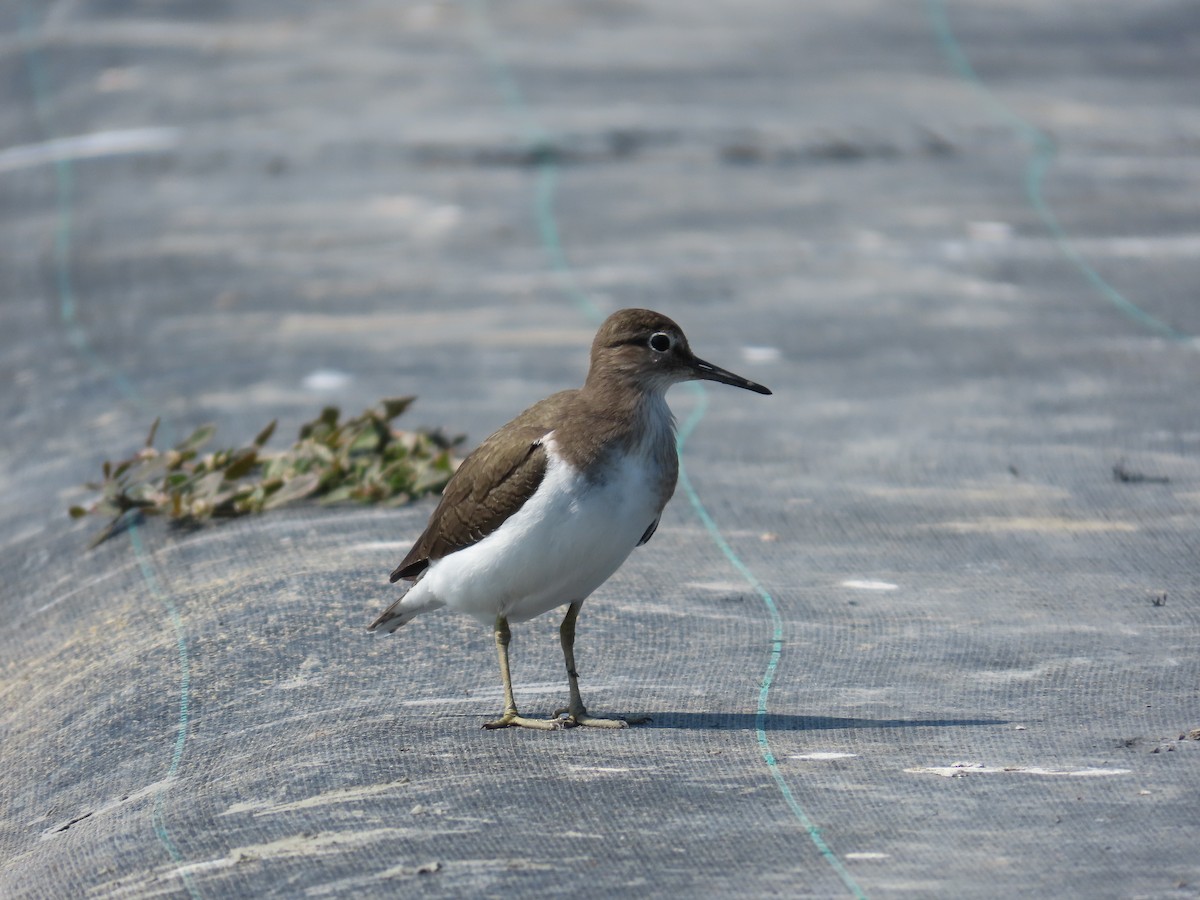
[[510, 717], [577, 714]]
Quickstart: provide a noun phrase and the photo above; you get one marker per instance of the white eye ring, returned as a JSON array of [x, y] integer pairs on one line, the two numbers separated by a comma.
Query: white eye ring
[[660, 342]]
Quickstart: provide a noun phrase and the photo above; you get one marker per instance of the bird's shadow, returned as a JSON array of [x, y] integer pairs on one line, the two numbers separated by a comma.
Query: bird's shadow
[[781, 722]]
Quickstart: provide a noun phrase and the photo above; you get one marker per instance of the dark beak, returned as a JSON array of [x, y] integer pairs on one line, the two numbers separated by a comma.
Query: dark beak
[[706, 371]]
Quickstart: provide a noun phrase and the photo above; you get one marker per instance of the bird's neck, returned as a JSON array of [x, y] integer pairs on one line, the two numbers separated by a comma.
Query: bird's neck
[[610, 418], [633, 405]]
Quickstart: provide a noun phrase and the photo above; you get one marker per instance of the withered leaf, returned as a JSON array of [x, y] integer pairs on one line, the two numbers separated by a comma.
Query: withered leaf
[[296, 489], [265, 435], [394, 406]]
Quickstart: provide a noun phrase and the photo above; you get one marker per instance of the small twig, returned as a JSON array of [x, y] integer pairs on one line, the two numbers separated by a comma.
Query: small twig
[[1128, 476]]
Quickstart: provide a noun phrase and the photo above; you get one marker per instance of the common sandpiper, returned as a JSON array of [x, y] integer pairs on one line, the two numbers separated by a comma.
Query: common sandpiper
[[548, 507]]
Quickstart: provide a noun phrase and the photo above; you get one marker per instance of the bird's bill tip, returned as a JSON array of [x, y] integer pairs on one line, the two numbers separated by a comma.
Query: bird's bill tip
[[706, 371]]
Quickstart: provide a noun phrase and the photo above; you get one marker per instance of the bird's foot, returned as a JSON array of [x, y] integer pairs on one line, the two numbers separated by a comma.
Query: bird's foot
[[510, 719], [578, 717]]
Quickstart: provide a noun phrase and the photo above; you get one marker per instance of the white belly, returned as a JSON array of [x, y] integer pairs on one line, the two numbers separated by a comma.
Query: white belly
[[567, 539]]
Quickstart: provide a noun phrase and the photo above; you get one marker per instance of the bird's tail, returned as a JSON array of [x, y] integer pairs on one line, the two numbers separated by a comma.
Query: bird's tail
[[417, 600]]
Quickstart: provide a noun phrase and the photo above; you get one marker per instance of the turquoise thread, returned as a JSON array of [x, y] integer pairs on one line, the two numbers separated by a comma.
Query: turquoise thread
[[552, 245], [552, 242], [64, 187], [540, 145], [64, 178], [768, 678], [185, 679], [1043, 152]]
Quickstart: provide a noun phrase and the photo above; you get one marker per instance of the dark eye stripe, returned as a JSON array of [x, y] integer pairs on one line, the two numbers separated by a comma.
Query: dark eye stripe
[[643, 342]]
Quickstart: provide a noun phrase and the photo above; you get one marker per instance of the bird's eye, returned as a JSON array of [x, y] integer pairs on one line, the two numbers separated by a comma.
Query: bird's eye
[[660, 342]]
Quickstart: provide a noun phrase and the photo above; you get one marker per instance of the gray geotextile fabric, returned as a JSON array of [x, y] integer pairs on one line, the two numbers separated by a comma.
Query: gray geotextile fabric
[[928, 626]]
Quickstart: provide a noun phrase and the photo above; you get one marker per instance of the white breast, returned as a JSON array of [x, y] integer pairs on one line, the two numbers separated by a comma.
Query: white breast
[[567, 539]]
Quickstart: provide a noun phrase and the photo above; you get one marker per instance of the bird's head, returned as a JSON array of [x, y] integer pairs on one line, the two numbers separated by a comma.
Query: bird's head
[[648, 349]]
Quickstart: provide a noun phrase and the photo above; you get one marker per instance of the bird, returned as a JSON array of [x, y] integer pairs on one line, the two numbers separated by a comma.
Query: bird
[[550, 505]]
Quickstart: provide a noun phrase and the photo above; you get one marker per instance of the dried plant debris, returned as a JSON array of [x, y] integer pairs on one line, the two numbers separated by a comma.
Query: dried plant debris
[[1130, 476], [363, 459]]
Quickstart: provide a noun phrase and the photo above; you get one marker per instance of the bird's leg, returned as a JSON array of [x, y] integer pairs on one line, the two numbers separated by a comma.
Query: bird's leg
[[577, 714], [510, 717]]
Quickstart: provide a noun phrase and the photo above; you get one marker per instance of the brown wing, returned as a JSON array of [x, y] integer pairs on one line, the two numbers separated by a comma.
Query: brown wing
[[491, 484]]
